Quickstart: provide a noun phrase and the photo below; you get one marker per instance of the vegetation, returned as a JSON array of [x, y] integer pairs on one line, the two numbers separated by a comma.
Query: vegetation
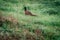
[[15, 25]]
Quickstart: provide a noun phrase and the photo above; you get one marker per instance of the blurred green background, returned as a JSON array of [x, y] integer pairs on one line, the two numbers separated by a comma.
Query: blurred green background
[[47, 19]]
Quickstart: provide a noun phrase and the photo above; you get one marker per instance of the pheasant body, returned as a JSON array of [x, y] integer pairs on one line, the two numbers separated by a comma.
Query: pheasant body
[[28, 12]]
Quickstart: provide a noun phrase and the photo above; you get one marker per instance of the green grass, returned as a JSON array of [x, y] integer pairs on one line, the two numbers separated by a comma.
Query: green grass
[[45, 20]]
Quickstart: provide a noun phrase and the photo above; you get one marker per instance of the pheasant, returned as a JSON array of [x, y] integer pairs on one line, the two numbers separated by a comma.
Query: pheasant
[[27, 12]]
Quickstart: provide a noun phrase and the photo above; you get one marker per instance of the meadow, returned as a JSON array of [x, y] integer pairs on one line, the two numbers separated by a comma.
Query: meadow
[[44, 26]]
